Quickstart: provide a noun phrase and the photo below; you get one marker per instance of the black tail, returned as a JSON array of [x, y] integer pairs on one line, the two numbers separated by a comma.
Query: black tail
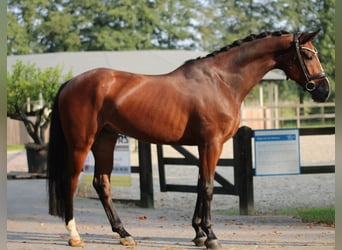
[[57, 163]]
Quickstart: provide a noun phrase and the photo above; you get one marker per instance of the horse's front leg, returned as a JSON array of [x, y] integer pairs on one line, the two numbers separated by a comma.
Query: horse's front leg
[[208, 155], [200, 236]]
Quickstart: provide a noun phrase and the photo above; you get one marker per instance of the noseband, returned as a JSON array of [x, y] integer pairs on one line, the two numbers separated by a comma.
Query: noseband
[[309, 85]]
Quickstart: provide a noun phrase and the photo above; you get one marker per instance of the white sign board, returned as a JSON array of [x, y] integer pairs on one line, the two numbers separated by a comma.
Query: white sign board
[[121, 174], [277, 152]]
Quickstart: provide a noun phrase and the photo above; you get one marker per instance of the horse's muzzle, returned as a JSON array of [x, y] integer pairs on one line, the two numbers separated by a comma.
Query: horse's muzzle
[[321, 92]]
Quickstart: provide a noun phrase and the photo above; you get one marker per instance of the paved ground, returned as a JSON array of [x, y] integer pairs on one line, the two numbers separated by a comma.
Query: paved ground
[[168, 225], [29, 226]]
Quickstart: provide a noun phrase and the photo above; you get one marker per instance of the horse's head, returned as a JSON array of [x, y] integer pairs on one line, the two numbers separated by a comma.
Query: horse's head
[[304, 67]]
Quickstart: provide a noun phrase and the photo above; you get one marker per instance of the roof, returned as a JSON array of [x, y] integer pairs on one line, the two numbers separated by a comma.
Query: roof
[[141, 61]]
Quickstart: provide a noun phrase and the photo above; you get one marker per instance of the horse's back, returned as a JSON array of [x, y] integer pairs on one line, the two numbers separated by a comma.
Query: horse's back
[[156, 108], [129, 103], [90, 89]]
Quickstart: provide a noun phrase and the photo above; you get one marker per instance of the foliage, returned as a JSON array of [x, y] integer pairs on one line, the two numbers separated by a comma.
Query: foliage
[[38, 26], [28, 81]]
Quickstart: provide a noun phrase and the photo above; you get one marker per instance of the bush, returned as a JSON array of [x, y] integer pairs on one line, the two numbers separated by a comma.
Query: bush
[[30, 93]]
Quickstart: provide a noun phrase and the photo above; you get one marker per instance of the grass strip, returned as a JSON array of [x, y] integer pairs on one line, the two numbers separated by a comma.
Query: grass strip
[[324, 215], [15, 147], [317, 215]]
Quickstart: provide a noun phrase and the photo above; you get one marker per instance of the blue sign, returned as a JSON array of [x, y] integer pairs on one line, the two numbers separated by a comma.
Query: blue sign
[[277, 152]]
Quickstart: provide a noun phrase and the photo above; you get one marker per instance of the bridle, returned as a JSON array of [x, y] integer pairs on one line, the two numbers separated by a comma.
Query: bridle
[[310, 85]]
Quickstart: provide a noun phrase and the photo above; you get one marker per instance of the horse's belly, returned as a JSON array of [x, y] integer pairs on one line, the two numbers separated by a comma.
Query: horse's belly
[[151, 124]]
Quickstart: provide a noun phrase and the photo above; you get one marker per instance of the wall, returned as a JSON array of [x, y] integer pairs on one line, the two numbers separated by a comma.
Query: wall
[[16, 133]]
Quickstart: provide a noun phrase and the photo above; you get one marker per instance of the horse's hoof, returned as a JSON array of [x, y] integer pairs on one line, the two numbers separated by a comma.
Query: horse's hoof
[[200, 241], [76, 243], [128, 241], [213, 244]]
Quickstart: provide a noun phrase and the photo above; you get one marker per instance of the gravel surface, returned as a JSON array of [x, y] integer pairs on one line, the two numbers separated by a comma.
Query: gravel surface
[[30, 227]]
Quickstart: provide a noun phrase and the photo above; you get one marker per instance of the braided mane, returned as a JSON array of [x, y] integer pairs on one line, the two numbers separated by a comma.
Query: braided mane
[[236, 43]]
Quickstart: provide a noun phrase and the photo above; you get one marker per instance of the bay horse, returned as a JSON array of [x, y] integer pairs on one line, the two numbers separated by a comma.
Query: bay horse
[[196, 104]]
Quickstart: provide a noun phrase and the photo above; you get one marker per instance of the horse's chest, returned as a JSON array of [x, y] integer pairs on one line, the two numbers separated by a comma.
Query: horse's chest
[[225, 118]]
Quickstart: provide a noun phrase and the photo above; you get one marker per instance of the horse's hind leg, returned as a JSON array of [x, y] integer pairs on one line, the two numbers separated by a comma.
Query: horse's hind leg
[[103, 148], [76, 159]]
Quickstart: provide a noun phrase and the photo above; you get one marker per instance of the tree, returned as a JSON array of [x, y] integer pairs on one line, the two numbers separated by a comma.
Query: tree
[[17, 37], [115, 25], [38, 26], [58, 34], [178, 25], [25, 17], [225, 21], [326, 40], [30, 92], [84, 25]]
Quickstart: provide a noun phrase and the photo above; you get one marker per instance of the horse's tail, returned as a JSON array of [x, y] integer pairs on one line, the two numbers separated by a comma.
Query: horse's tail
[[57, 163]]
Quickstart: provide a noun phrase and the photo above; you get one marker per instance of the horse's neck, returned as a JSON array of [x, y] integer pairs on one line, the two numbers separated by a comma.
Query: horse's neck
[[244, 66]]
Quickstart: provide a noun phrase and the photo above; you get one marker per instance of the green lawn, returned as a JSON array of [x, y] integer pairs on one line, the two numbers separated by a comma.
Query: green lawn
[[15, 147], [317, 215], [325, 215]]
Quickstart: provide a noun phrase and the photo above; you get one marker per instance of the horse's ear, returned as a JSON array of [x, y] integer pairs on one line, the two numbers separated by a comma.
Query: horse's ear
[[304, 38]]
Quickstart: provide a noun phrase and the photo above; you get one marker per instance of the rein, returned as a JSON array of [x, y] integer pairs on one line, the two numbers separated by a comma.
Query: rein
[[309, 85]]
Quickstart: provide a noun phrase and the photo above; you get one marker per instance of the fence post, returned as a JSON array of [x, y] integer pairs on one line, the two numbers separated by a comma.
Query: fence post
[[243, 169], [145, 174], [161, 168]]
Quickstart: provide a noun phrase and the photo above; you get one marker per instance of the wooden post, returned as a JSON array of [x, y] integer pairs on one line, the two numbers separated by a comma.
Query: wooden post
[[243, 169], [161, 168], [298, 116], [145, 174]]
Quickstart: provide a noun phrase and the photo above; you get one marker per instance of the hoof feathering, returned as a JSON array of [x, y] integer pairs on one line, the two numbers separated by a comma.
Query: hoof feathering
[[200, 241], [213, 244], [76, 243], [128, 241]]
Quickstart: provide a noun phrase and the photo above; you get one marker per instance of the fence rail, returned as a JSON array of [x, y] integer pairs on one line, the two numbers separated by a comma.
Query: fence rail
[[273, 116]]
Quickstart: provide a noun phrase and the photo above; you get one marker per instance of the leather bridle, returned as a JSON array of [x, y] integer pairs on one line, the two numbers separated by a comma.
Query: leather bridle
[[310, 85]]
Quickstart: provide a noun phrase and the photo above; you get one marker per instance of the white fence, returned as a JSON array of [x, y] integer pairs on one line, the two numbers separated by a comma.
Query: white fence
[[267, 117]]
